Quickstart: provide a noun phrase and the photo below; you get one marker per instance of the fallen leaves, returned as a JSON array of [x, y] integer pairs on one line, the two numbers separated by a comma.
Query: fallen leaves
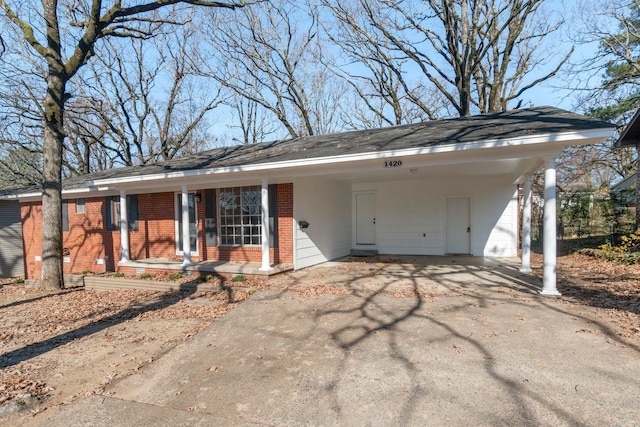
[[36, 321], [607, 291], [17, 383]]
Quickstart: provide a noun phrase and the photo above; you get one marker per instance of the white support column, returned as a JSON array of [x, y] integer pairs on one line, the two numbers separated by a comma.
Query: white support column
[[526, 228], [266, 263], [186, 241], [549, 230], [124, 228]]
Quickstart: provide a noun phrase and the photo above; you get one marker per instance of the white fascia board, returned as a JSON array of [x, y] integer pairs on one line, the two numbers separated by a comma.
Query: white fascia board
[[71, 193], [9, 197], [566, 138], [23, 196]]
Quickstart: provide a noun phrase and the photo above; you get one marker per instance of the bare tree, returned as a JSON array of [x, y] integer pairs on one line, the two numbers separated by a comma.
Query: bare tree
[[269, 56], [615, 26], [63, 35], [374, 70], [477, 54], [140, 102], [21, 124], [252, 119]]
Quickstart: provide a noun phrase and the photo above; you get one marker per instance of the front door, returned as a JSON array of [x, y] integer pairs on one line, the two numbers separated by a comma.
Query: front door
[[366, 218], [193, 224], [458, 225]]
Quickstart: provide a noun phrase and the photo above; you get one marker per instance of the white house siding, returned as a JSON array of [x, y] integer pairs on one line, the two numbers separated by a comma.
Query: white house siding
[[411, 215], [494, 218], [326, 205]]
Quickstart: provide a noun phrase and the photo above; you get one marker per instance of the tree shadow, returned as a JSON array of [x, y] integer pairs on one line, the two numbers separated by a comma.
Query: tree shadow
[[36, 349], [367, 317], [600, 297], [41, 297]]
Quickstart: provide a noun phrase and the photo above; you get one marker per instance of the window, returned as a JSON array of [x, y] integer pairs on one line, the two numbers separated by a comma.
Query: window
[[240, 216], [65, 215], [113, 212], [79, 205]]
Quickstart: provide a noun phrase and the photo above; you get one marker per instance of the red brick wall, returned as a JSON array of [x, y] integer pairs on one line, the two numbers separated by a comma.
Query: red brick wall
[[85, 242], [31, 214], [87, 239], [155, 237], [285, 224]]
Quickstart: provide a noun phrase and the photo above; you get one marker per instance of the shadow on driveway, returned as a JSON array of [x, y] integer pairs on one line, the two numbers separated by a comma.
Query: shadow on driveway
[[390, 342]]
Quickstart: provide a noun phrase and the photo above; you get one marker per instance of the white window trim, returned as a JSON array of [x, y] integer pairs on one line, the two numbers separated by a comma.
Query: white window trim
[[79, 205], [219, 222]]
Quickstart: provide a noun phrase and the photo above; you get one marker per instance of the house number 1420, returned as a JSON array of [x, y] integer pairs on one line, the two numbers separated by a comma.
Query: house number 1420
[[393, 163]]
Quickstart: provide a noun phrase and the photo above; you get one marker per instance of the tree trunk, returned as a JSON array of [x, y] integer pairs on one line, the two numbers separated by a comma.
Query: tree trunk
[[52, 186]]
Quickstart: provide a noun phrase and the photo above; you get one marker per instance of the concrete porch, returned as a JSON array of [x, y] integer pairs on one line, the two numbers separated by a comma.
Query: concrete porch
[[149, 265]]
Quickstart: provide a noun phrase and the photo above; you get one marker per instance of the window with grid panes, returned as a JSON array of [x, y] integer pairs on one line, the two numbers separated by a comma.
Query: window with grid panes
[[240, 216]]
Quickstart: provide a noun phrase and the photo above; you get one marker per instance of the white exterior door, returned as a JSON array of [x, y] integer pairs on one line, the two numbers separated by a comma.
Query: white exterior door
[[366, 218], [458, 225]]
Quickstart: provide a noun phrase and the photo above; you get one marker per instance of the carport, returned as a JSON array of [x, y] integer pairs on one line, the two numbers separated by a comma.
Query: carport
[[444, 188]]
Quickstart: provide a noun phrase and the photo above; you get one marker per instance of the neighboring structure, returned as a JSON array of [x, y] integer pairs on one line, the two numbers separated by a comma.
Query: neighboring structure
[[11, 251], [630, 137], [432, 188], [623, 197]]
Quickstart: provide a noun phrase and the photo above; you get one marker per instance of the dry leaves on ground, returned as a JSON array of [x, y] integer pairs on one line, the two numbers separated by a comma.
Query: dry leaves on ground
[[36, 321], [610, 291]]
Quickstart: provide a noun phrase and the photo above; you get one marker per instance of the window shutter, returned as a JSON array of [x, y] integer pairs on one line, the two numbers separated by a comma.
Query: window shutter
[[210, 217], [65, 215], [108, 202], [132, 202], [273, 215]]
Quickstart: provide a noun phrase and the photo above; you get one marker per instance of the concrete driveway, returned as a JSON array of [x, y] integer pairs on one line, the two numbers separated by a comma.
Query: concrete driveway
[[398, 341]]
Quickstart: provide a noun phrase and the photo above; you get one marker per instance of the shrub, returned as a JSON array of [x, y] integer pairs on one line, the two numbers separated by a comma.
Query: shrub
[[238, 278], [20, 280], [206, 278], [175, 276], [145, 276], [626, 252], [118, 274]]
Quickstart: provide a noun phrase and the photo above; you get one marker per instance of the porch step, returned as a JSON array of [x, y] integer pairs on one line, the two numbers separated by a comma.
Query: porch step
[[364, 252]]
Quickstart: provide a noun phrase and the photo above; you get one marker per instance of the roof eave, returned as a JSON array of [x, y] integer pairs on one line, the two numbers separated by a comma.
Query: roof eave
[[589, 136], [631, 134], [584, 137]]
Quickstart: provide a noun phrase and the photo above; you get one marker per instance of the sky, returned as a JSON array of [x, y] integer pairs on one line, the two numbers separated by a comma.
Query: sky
[[554, 92]]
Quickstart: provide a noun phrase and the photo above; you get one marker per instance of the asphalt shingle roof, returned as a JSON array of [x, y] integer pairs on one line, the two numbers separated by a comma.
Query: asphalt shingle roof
[[503, 125]]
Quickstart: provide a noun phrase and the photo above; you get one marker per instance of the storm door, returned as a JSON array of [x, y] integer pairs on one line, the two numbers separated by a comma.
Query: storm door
[[193, 223]]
